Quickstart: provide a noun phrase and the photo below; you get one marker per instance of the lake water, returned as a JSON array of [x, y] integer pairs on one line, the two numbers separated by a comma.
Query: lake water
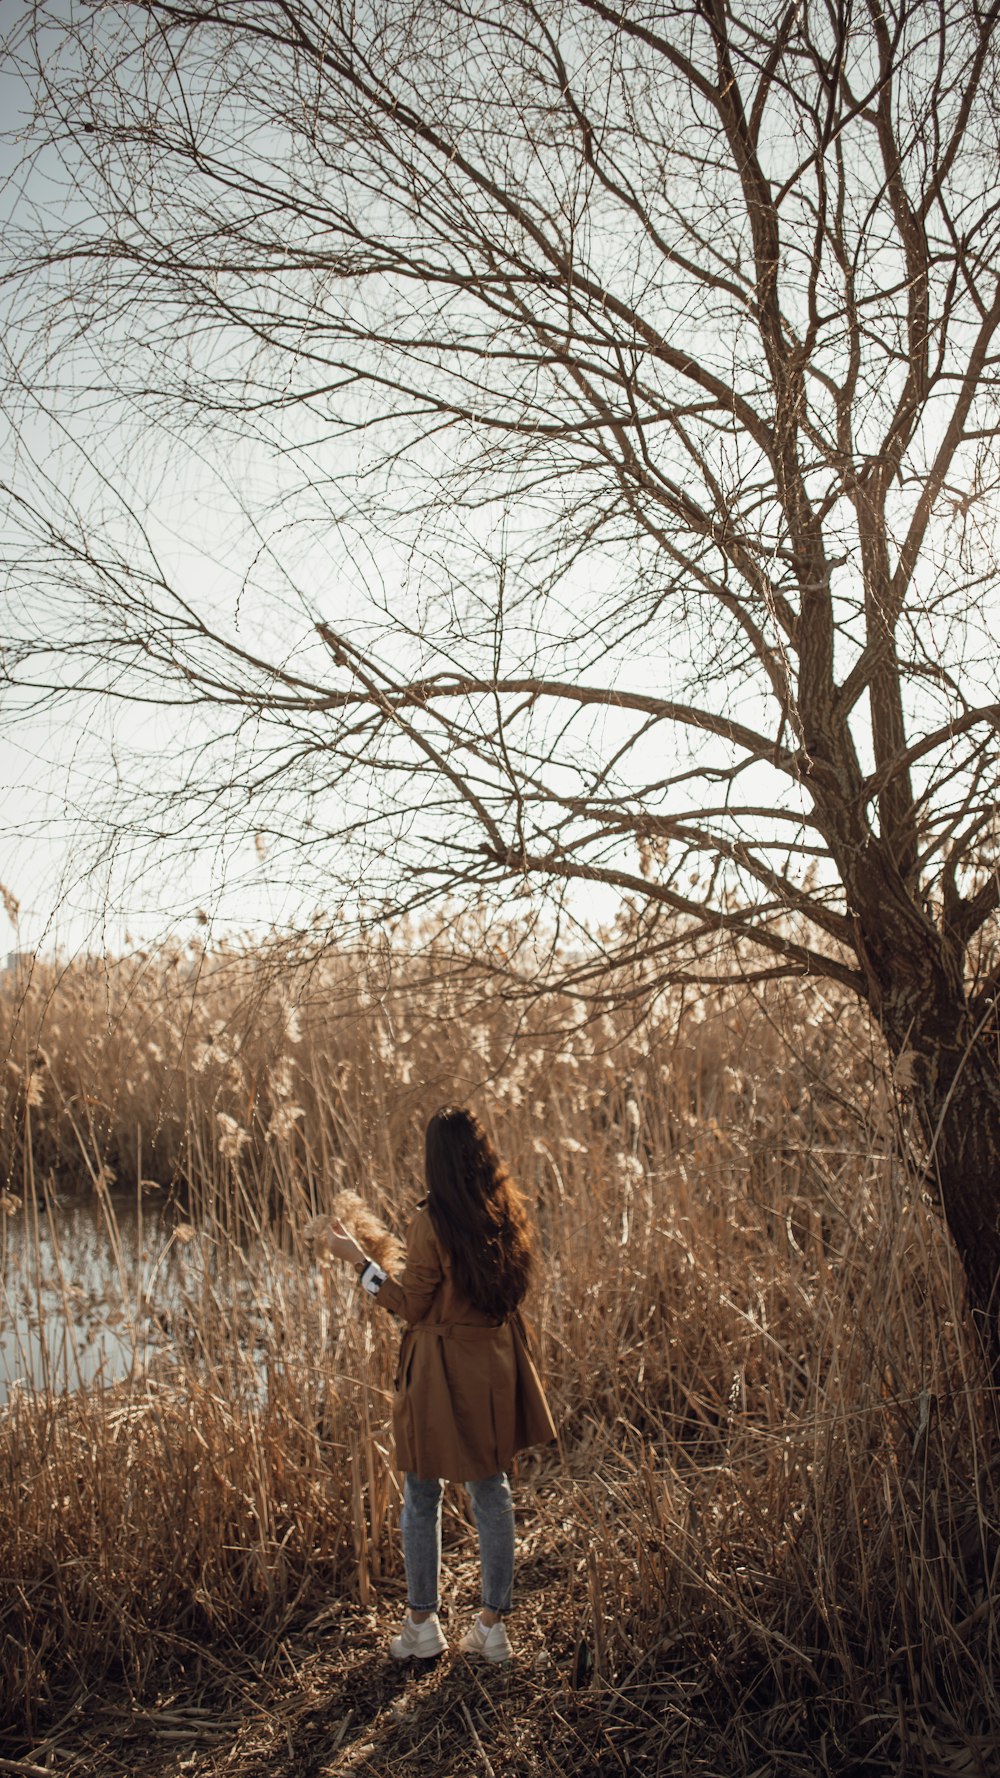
[[93, 1288], [82, 1287]]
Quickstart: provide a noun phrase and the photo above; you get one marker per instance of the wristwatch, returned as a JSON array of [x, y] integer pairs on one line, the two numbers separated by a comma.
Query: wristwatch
[[372, 1277]]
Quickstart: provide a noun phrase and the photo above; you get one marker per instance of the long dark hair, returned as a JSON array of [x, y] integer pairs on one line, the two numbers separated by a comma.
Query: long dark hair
[[478, 1213]]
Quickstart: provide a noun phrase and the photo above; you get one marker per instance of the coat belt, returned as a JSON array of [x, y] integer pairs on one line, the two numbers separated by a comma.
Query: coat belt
[[463, 1327]]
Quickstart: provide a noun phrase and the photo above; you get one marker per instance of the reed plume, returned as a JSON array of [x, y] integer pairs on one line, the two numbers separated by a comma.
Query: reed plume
[[369, 1231]]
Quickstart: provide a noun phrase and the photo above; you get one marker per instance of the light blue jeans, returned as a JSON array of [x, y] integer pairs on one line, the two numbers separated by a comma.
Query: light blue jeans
[[493, 1511]]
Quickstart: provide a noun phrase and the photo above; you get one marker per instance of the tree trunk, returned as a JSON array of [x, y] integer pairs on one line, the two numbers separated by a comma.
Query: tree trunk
[[951, 1066], [963, 1126]]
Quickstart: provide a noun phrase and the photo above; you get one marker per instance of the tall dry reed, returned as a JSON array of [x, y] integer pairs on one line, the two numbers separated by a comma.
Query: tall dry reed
[[778, 1495]]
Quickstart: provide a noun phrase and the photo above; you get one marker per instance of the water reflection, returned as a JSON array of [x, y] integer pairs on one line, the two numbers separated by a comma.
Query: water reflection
[[95, 1288], [79, 1281]]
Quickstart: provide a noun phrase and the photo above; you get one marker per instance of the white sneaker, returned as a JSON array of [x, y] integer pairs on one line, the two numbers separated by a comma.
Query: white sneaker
[[420, 1642], [491, 1642]]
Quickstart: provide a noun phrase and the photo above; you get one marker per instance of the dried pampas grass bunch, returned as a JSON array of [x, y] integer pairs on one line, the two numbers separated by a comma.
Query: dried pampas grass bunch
[[378, 1242]]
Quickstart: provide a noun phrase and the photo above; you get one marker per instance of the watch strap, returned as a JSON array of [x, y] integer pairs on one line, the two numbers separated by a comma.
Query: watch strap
[[372, 1277]]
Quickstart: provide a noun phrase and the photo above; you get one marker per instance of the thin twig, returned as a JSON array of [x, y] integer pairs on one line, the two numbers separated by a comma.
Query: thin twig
[[484, 1756]]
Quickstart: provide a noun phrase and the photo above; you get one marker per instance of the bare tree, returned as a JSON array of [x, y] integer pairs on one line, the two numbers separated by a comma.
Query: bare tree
[[650, 351]]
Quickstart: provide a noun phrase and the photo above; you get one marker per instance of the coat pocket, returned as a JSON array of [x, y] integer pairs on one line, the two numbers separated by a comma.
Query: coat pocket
[[404, 1364]]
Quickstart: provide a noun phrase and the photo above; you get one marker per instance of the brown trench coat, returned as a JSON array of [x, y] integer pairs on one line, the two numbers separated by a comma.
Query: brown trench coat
[[467, 1393]]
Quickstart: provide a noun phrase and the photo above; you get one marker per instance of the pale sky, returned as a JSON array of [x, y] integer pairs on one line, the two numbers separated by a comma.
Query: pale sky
[[61, 790]]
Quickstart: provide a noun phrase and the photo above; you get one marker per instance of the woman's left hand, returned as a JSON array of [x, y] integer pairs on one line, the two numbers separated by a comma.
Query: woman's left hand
[[330, 1236]]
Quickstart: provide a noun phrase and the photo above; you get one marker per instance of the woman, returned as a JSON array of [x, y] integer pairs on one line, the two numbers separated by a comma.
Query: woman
[[467, 1395]]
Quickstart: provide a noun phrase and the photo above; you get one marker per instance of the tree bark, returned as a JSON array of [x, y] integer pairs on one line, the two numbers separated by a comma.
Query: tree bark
[[965, 1155], [946, 1058]]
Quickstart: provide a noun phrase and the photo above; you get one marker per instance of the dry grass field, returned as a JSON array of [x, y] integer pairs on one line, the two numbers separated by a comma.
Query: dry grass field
[[768, 1541]]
